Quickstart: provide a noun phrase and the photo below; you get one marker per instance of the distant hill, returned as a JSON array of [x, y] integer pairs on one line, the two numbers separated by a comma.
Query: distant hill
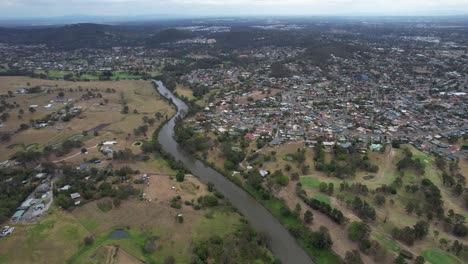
[[168, 35], [66, 37]]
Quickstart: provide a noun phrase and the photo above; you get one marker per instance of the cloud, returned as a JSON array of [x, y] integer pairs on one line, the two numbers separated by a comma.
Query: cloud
[[230, 7]]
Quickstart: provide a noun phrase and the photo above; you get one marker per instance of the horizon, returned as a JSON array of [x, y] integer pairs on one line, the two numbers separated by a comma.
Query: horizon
[[176, 9]]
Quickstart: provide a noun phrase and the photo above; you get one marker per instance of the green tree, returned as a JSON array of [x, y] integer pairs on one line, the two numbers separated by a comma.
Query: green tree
[[353, 257], [180, 176], [308, 217]]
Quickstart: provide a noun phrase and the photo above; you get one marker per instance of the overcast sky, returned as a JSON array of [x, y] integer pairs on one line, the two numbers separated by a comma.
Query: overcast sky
[[46, 8]]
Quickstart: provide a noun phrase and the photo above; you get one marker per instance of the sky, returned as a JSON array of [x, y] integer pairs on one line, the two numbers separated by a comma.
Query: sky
[[202, 8]]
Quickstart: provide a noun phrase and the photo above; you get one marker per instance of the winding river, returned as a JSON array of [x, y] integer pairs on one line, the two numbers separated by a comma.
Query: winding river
[[283, 245]]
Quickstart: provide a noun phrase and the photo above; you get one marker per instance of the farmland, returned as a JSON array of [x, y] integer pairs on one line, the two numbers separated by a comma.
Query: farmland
[[101, 114], [63, 232]]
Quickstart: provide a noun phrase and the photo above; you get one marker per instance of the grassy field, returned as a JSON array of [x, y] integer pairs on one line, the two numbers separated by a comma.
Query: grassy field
[[58, 238], [386, 241], [310, 182], [322, 197], [435, 256], [140, 96], [184, 91]]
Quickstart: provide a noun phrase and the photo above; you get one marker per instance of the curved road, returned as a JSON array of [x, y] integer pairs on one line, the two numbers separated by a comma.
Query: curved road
[[283, 245]]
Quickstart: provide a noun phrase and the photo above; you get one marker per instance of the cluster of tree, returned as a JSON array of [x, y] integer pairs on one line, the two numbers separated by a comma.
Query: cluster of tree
[[66, 147], [34, 89], [276, 179], [335, 214], [140, 130], [386, 189], [94, 187], [27, 156], [409, 234], [363, 209], [243, 246], [360, 233], [344, 164], [432, 197], [189, 140], [409, 163], [314, 239], [232, 154], [355, 188], [326, 188], [125, 155], [451, 176], [199, 90], [15, 186], [299, 156], [455, 223]]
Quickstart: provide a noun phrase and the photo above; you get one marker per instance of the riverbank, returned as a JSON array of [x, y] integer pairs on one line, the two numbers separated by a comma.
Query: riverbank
[[283, 244]]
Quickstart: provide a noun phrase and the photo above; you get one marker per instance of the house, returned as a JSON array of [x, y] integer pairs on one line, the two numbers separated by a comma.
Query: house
[[328, 144], [376, 147], [41, 175], [43, 188], [65, 188], [18, 214], [107, 150], [263, 173], [345, 145], [249, 136], [276, 142], [75, 196]]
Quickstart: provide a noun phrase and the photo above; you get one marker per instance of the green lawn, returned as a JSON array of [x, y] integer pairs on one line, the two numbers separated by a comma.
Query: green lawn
[[387, 242], [322, 197], [310, 182], [436, 256], [423, 159]]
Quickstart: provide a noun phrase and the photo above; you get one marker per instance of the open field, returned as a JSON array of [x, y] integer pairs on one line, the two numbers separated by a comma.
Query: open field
[[435, 256], [390, 215], [103, 114], [63, 232], [184, 91]]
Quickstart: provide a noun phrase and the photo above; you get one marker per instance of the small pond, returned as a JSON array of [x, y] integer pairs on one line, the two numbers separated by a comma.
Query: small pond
[[119, 234]]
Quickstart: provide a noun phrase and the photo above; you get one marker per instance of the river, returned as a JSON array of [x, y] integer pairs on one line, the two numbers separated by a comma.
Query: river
[[283, 245]]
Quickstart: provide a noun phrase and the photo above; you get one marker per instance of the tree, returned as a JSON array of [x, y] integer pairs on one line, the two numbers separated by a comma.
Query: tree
[[324, 240], [88, 240], [308, 217], [330, 188], [380, 199], [323, 187], [421, 228], [400, 259], [353, 257], [64, 201], [297, 210], [210, 186], [460, 230], [180, 176], [419, 260], [358, 231], [84, 150]]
